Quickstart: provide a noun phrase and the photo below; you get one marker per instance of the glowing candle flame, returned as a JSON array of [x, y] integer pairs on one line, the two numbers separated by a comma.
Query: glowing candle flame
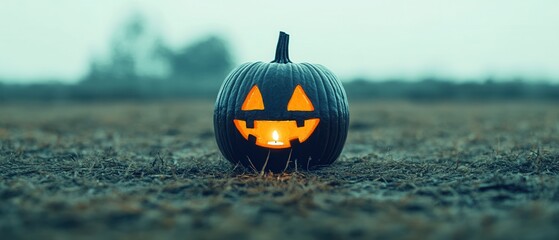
[[275, 135]]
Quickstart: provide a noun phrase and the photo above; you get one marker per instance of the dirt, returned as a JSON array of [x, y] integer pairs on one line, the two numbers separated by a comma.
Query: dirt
[[137, 170]]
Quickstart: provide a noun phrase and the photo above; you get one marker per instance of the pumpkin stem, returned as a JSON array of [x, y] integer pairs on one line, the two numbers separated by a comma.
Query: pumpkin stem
[[282, 50]]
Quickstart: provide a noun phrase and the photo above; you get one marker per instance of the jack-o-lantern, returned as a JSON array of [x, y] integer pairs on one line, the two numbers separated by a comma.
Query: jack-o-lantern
[[279, 115]]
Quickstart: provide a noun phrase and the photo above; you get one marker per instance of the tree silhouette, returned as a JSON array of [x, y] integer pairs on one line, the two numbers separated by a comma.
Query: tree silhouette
[[136, 52], [206, 59]]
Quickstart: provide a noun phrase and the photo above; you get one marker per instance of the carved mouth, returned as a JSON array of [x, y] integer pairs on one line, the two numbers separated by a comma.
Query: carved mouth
[[277, 134]]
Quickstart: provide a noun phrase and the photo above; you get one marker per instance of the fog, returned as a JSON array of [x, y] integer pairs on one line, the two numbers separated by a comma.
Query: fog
[[377, 40]]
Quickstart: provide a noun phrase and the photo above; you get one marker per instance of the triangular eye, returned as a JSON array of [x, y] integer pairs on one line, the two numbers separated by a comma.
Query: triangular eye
[[253, 100], [299, 101]]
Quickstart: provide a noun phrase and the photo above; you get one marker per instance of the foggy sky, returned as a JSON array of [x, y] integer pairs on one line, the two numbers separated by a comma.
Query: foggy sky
[[378, 39]]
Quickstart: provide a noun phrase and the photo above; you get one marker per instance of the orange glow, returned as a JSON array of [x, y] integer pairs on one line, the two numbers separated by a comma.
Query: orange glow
[[277, 134], [299, 101], [253, 100]]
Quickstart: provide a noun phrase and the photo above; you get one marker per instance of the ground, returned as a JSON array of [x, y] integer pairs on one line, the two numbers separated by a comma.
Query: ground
[[152, 170]]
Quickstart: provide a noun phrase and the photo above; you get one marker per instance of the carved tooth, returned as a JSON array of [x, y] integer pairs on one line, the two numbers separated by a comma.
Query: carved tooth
[[252, 139], [250, 123], [294, 142]]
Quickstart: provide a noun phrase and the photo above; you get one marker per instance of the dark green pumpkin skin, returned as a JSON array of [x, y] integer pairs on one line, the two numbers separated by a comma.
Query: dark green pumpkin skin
[[277, 81]]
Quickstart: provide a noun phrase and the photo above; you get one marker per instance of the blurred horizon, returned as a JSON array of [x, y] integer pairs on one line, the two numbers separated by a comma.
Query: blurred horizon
[[373, 40]]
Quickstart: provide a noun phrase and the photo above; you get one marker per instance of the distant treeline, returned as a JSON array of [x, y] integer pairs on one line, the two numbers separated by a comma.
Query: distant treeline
[[439, 89], [139, 65], [426, 90]]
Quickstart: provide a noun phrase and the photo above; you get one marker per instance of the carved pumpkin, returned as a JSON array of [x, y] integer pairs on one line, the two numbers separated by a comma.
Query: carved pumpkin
[[279, 115]]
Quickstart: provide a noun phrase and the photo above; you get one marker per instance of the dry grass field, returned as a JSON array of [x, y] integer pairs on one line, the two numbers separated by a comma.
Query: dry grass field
[[133, 170]]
